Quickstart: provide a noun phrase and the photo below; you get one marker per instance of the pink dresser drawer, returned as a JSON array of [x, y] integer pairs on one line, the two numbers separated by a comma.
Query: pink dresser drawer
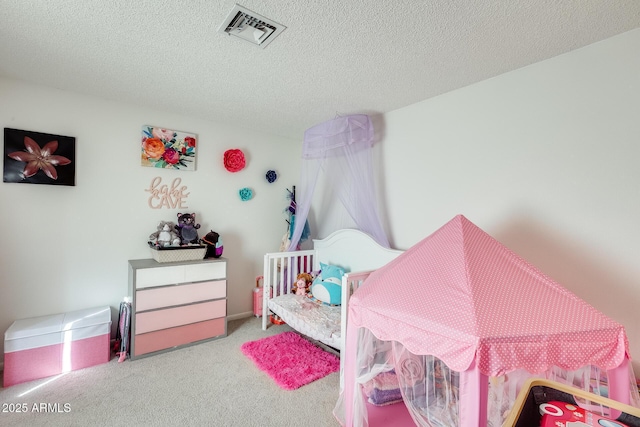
[[148, 299], [177, 316], [168, 338]]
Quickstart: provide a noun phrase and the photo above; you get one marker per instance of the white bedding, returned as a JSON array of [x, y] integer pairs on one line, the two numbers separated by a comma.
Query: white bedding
[[318, 321]]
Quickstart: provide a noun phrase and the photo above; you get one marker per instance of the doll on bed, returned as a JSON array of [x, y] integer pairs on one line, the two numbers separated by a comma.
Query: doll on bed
[[303, 284]]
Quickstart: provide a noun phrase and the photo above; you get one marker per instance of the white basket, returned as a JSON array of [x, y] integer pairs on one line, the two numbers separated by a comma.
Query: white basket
[[170, 254]]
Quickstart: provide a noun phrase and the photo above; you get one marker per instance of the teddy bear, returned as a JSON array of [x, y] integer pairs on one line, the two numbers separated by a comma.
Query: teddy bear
[[164, 235], [303, 283]]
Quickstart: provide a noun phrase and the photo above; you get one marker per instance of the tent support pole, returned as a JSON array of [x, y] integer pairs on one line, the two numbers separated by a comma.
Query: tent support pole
[[474, 389], [618, 383]]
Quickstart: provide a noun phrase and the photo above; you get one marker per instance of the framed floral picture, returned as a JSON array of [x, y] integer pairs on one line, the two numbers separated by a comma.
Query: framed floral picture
[[168, 149], [39, 158]]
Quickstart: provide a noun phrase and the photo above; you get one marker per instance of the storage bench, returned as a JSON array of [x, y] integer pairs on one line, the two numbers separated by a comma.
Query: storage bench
[[43, 346]]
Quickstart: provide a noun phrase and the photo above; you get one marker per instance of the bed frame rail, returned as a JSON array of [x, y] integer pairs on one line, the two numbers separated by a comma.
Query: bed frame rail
[[280, 272]]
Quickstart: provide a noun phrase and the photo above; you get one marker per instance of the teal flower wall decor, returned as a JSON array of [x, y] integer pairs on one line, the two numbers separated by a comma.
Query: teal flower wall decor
[[245, 194]]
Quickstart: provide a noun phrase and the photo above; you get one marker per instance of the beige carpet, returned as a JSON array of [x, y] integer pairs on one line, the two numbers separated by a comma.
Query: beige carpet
[[209, 384]]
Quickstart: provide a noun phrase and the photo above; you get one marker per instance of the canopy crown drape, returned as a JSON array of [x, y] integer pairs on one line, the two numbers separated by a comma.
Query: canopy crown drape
[[341, 150]]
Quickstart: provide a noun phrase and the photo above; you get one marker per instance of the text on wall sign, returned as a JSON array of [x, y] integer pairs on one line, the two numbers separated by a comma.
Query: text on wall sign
[[164, 196]]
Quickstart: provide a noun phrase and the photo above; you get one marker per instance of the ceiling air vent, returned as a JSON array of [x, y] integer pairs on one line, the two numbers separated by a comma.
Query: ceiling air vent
[[250, 26]]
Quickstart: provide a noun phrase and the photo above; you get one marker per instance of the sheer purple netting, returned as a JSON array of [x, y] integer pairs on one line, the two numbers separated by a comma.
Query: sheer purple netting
[[341, 150]]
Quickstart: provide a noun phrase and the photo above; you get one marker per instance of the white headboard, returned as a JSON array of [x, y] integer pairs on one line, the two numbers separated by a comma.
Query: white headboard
[[352, 250]]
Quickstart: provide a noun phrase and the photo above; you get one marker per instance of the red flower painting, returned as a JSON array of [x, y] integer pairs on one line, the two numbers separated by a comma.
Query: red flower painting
[[168, 149]]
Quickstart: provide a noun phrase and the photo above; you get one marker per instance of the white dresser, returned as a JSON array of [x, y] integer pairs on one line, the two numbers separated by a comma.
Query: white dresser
[[176, 304]]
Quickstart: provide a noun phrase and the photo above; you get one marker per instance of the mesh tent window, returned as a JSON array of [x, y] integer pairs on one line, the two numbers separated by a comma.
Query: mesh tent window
[[341, 150]]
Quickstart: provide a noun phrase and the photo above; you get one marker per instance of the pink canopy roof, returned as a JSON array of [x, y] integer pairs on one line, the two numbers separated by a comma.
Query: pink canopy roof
[[459, 294]]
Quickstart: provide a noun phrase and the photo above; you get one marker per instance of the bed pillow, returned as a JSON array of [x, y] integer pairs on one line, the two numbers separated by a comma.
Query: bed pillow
[[327, 287]]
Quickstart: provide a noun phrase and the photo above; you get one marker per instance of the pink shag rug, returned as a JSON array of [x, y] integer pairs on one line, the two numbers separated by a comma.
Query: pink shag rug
[[290, 360]]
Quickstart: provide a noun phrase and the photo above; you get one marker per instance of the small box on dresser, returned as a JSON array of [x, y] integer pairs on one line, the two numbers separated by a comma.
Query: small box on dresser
[[176, 304]]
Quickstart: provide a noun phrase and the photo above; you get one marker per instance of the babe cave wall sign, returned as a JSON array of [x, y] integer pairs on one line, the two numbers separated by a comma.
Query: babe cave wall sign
[[172, 196], [39, 158]]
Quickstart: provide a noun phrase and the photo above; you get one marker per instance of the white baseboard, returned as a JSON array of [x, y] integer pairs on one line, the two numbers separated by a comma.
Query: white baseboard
[[240, 315]]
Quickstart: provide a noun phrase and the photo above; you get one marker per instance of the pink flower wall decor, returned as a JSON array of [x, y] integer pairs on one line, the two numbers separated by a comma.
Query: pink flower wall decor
[[38, 158], [168, 149], [234, 160]]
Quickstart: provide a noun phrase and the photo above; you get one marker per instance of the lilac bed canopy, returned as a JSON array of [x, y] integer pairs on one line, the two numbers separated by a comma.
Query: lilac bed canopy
[[341, 149]]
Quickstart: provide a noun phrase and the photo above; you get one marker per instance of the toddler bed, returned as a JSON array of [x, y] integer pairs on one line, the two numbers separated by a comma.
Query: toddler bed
[[354, 251]]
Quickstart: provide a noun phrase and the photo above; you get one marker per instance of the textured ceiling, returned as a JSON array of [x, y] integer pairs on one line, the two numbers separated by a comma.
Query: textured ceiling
[[335, 57]]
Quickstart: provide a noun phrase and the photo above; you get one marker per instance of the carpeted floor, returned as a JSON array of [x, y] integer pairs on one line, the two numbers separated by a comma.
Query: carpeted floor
[[209, 384]]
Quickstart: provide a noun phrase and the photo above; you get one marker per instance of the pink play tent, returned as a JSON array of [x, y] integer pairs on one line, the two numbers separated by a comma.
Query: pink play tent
[[453, 327]]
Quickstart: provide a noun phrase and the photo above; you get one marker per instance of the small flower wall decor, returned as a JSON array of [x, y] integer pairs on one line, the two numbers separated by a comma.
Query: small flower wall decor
[[234, 160], [245, 194], [271, 176], [168, 149], [38, 158]]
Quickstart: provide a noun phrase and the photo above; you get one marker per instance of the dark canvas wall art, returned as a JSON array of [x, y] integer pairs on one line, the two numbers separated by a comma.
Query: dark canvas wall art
[[39, 158]]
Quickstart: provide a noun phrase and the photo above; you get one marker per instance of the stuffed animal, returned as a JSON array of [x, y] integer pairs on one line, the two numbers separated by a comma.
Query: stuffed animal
[[303, 283], [164, 235], [187, 228], [327, 287], [214, 245]]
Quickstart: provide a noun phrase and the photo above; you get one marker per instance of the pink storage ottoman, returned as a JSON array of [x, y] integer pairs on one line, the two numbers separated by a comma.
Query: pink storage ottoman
[[43, 346]]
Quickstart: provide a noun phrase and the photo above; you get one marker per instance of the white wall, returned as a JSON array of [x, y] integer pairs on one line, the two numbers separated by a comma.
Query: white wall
[[545, 159], [66, 248]]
